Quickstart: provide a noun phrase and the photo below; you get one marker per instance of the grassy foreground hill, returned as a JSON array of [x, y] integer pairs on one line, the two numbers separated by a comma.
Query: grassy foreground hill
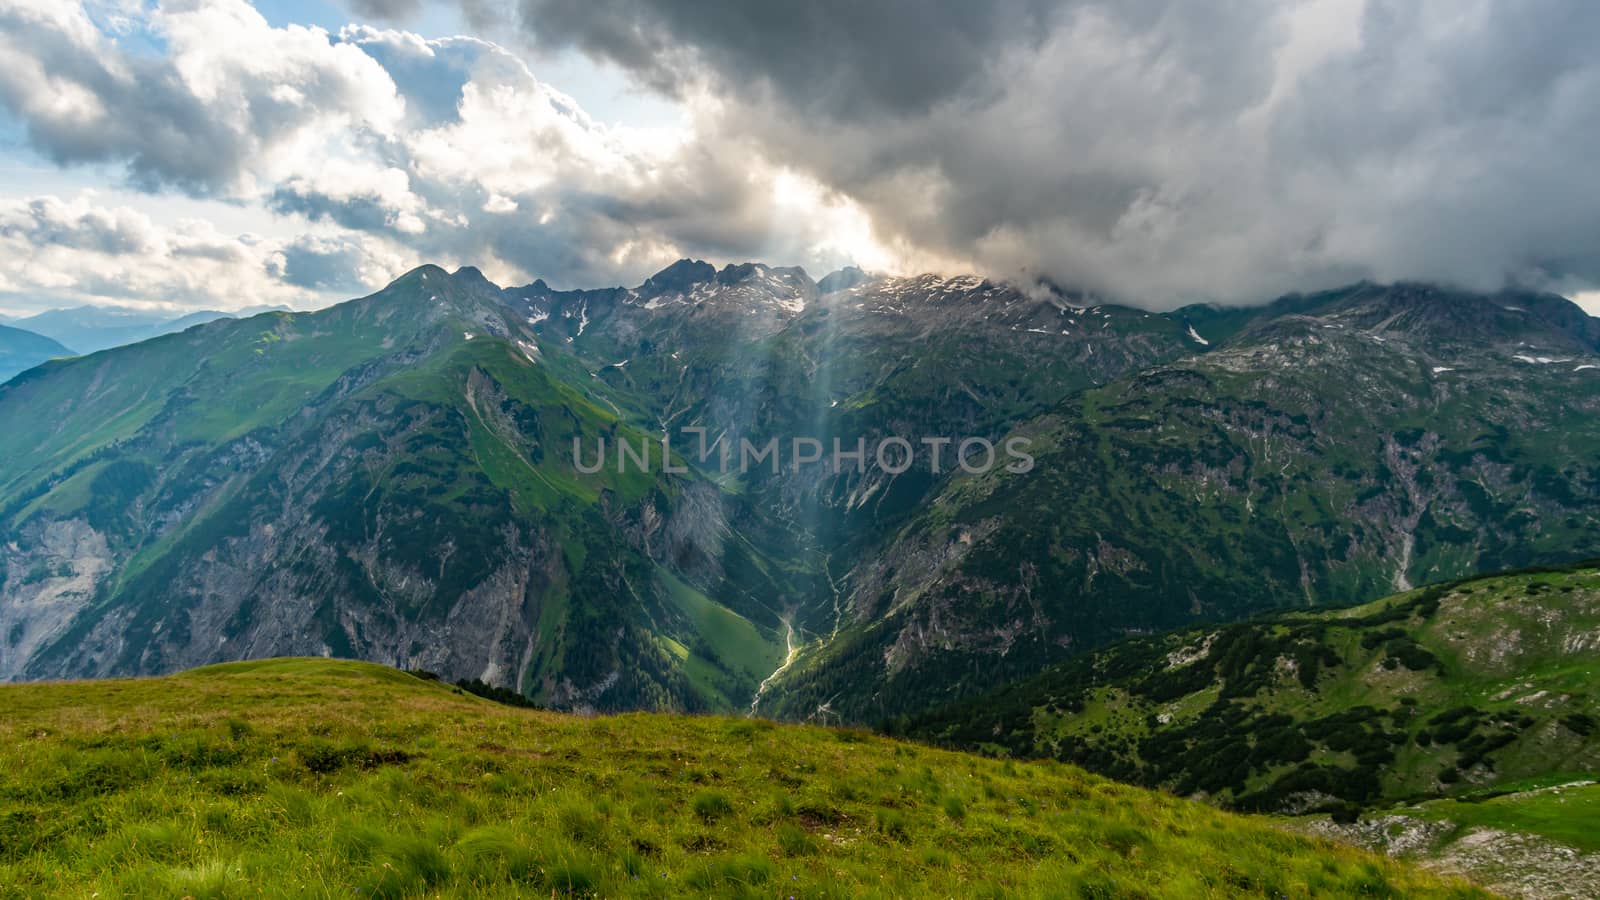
[[307, 777]]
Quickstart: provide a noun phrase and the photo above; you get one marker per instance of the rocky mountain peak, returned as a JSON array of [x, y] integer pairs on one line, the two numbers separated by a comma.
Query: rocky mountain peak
[[841, 280], [465, 288], [679, 277], [1441, 316], [473, 277]]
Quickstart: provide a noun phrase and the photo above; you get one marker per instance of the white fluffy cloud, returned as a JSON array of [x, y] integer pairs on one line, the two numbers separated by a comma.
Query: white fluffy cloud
[[376, 145], [56, 252], [227, 103]]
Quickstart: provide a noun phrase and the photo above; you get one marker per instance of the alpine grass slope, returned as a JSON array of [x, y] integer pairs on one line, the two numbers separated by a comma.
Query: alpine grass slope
[[332, 778]]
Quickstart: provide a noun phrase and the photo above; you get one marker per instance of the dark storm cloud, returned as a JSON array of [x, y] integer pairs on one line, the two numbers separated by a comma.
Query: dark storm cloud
[[1467, 142], [385, 10], [1158, 149], [836, 57]]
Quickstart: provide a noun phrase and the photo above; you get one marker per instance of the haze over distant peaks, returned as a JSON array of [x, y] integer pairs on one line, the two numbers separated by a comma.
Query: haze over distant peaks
[[88, 329], [21, 350]]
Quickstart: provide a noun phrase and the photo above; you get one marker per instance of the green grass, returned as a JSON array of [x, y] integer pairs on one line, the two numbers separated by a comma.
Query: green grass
[[1565, 811], [321, 778], [737, 642], [445, 380], [733, 654]]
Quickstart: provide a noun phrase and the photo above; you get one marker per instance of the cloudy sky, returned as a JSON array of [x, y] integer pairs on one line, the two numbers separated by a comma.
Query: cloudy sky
[[222, 154]]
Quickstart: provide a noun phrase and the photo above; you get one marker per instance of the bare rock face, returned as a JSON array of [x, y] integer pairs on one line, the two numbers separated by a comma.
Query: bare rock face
[[51, 573], [1509, 863]]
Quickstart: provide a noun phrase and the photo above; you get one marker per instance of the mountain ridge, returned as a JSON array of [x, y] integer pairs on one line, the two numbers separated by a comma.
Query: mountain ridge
[[421, 399], [1268, 439], [448, 394], [1481, 679]]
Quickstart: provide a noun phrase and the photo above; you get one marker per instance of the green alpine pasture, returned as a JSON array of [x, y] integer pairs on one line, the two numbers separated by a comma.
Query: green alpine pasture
[[311, 777], [1564, 809]]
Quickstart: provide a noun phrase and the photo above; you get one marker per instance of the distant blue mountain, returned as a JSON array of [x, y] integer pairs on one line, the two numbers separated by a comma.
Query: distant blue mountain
[[88, 329], [22, 350]]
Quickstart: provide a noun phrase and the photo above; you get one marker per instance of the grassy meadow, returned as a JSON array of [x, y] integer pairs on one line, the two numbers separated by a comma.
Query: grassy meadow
[[338, 779]]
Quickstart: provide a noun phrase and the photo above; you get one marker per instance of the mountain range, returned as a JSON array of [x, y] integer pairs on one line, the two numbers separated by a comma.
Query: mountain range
[[1324, 450], [405, 478], [87, 329]]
